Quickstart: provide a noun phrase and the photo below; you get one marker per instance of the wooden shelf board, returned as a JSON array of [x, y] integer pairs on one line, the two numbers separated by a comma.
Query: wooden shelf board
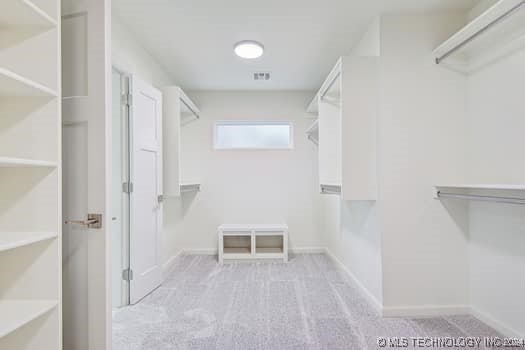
[[17, 313], [24, 13], [12, 84], [8, 162], [12, 240]]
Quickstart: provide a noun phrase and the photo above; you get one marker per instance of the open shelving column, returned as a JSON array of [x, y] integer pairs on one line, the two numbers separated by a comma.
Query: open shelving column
[[30, 175], [178, 111]]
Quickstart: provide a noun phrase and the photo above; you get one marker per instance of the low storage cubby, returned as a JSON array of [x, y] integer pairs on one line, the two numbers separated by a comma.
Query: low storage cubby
[[238, 244], [269, 244], [241, 242]]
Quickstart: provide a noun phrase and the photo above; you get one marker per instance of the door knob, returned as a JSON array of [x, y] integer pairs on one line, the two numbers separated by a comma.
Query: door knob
[[93, 221]]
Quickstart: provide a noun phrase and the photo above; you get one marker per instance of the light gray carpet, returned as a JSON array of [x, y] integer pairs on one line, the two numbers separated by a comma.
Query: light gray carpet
[[304, 304]]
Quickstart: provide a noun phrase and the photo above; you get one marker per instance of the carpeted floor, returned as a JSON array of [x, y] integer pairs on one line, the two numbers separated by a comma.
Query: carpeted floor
[[305, 304]]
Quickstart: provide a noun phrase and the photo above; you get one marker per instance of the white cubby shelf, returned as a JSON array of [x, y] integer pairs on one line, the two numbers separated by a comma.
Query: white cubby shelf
[[252, 242]]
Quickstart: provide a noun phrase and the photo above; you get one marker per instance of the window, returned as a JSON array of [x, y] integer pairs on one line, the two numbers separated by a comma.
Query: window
[[253, 135]]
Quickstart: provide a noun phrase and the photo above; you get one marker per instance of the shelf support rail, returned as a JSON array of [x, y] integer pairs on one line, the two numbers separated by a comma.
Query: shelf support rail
[[498, 199], [481, 31]]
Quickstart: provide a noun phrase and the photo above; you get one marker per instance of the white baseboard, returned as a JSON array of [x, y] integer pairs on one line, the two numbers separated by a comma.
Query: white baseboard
[[166, 267], [425, 310], [208, 251], [307, 250], [302, 250], [369, 296], [496, 324]]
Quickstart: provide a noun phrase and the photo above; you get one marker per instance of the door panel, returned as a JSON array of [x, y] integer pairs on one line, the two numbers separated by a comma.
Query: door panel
[[86, 106], [146, 176]]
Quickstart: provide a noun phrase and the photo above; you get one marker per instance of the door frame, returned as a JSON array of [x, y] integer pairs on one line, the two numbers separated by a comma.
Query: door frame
[[125, 83]]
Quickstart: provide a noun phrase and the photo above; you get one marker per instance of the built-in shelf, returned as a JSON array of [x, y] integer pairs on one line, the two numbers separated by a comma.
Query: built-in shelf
[[17, 313], [12, 240], [190, 188], [501, 193], [496, 33], [188, 110], [313, 106], [313, 132], [8, 162], [24, 13], [12, 84]]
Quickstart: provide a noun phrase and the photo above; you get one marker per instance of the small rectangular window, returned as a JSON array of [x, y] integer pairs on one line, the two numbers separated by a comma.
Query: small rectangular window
[[253, 135]]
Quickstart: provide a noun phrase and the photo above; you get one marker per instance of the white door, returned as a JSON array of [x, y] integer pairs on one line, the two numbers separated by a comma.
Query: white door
[[146, 179], [86, 106]]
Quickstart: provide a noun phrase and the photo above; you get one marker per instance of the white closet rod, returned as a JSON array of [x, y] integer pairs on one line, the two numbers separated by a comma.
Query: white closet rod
[[481, 31], [332, 81], [510, 200], [190, 108]]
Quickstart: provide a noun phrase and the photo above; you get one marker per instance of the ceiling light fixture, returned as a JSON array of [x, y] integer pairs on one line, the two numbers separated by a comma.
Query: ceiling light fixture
[[248, 49]]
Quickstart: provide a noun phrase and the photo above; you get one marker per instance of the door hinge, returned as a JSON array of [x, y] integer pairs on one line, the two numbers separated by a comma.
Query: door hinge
[[127, 187], [127, 274], [127, 99]]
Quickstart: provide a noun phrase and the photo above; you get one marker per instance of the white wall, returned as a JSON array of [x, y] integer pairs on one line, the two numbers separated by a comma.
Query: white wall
[[350, 229], [129, 56], [496, 145], [421, 141], [247, 186]]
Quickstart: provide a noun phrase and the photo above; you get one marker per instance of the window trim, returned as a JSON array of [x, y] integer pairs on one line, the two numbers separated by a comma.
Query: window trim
[[253, 122]]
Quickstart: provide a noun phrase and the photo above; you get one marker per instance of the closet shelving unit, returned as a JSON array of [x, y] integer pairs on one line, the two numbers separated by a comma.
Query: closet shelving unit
[[347, 118], [496, 33], [30, 175], [511, 194], [178, 111]]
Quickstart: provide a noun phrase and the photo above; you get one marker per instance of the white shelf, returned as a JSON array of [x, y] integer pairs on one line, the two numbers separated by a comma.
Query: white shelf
[[484, 187], [227, 228], [12, 84], [12, 240], [500, 193], [8, 162], [496, 33], [188, 110], [313, 106], [313, 132], [23, 13], [17, 313], [237, 251]]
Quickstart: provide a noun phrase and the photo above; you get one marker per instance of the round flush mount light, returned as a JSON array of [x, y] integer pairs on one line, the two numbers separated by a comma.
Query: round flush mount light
[[248, 49]]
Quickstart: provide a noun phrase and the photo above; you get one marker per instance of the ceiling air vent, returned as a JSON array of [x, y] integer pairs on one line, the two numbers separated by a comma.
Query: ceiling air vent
[[261, 76]]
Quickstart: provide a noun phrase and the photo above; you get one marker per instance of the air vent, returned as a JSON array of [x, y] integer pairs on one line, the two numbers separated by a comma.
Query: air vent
[[261, 76]]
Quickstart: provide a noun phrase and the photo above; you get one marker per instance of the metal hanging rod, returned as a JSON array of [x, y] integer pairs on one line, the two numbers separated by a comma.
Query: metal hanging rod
[[481, 31], [330, 189], [190, 108], [498, 199], [332, 81]]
